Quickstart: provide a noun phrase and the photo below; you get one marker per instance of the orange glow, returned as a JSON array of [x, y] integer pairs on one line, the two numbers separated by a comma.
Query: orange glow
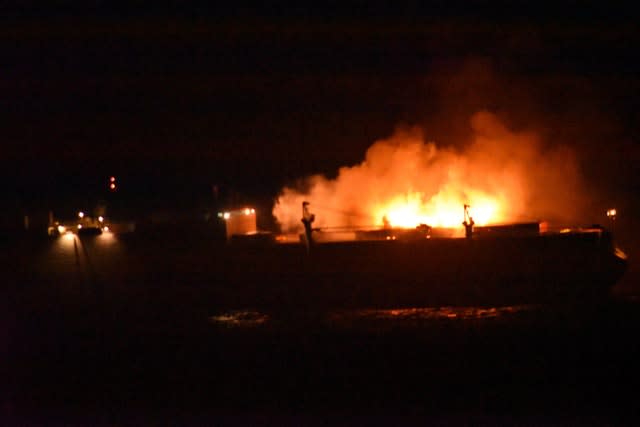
[[407, 180], [411, 210], [112, 186]]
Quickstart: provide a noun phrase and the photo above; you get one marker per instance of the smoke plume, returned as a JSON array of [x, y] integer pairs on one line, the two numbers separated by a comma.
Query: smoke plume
[[406, 180]]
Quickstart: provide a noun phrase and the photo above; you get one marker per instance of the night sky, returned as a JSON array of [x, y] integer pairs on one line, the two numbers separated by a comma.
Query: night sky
[[172, 100]]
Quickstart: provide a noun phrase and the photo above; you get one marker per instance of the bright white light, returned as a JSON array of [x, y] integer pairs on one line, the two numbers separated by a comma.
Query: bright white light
[[79, 226], [105, 228], [611, 213], [81, 214], [247, 211], [253, 210], [62, 229], [226, 215], [101, 218]]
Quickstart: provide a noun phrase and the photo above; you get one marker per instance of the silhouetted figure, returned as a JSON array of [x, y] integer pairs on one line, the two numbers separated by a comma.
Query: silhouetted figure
[[307, 220], [424, 230], [468, 223]]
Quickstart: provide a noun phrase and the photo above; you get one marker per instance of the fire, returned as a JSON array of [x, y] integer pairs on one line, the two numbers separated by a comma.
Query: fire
[[406, 180], [441, 211]]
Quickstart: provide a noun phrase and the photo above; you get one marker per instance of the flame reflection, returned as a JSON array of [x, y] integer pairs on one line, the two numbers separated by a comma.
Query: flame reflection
[[372, 317], [242, 318], [429, 313]]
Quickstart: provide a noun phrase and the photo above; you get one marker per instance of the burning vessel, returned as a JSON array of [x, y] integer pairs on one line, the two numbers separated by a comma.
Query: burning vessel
[[390, 231], [392, 267]]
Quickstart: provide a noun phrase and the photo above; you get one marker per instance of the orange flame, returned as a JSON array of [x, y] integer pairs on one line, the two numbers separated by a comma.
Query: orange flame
[[441, 211], [405, 181]]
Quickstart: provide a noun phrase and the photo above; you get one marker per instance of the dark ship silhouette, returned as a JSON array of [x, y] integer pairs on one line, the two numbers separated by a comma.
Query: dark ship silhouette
[[501, 264]]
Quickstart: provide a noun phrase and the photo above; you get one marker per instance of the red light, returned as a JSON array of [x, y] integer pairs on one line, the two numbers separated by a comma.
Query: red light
[[112, 179]]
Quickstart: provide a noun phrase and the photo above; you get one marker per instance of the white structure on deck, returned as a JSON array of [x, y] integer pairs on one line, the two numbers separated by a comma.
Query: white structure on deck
[[238, 222]]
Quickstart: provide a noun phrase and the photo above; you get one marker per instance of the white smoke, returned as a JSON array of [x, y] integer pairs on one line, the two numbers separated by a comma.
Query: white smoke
[[504, 175]]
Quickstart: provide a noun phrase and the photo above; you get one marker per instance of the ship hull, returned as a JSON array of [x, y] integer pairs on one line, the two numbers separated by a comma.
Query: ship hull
[[489, 270]]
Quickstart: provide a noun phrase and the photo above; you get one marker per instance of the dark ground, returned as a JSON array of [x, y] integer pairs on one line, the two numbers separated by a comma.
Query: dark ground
[[91, 335], [181, 98]]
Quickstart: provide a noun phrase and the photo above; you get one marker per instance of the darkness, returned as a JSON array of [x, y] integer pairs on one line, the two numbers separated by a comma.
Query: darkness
[[256, 96], [180, 98]]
